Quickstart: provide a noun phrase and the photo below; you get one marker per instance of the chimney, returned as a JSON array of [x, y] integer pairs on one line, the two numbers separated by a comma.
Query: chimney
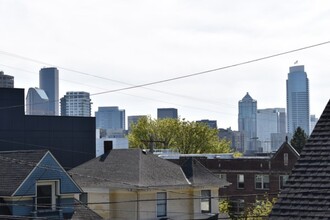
[[107, 145]]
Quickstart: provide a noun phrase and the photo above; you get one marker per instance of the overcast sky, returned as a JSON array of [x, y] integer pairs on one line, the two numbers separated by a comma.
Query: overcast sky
[[117, 44]]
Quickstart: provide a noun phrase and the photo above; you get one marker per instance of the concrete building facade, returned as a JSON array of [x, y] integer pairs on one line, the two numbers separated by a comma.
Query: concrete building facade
[[76, 104], [6, 81]]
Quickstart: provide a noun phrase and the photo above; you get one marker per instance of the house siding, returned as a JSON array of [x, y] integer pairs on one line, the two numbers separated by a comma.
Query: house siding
[[48, 169]]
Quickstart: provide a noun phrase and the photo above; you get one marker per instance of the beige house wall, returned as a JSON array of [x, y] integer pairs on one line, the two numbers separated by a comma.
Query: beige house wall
[[182, 203]]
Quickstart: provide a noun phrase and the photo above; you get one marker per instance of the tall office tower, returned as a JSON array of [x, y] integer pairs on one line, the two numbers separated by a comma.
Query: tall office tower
[[234, 137], [270, 121], [210, 123], [133, 119], [110, 118], [37, 102], [6, 81], [48, 81], [297, 99], [314, 120], [167, 113], [247, 123], [76, 104]]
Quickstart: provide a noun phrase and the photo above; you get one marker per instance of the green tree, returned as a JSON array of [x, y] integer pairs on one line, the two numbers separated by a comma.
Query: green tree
[[261, 208], [299, 139], [224, 206], [184, 136]]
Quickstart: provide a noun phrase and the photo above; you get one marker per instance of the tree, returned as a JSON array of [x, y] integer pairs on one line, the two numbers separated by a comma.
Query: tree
[[299, 139], [184, 136], [224, 206], [261, 208]]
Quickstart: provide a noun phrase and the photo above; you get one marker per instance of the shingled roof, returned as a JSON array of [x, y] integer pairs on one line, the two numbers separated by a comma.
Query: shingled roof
[[307, 191], [198, 175], [128, 168], [15, 166]]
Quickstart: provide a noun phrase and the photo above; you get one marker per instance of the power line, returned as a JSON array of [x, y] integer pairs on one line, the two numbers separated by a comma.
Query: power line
[[213, 70]]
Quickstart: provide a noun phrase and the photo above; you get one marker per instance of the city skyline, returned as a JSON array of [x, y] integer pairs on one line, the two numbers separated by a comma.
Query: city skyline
[[105, 46]]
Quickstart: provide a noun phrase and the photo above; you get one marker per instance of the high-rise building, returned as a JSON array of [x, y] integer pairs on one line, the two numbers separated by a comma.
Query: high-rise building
[[133, 119], [297, 93], [167, 113], [6, 81], [110, 118], [37, 102], [48, 81], [234, 137], [271, 121], [210, 123], [76, 104], [247, 123], [313, 121]]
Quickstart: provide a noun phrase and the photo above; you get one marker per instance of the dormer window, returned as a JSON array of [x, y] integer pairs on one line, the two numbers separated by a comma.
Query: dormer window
[[46, 195]]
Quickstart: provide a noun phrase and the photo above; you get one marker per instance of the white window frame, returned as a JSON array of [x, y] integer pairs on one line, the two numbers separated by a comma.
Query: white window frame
[[238, 181], [286, 159], [262, 179], [205, 201], [54, 186], [161, 202]]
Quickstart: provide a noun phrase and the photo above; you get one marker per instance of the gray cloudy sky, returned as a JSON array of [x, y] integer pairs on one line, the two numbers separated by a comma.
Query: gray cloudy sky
[[126, 42]]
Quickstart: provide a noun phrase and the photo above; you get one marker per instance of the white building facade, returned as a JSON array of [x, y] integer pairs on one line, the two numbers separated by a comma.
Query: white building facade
[[76, 104]]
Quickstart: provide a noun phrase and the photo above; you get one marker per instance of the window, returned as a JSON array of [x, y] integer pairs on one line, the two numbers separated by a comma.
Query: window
[[286, 159], [237, 207], [206, 201], [240, 181], [161, 204], [283, 179], [45, 198], [262, 181], [223, 176]]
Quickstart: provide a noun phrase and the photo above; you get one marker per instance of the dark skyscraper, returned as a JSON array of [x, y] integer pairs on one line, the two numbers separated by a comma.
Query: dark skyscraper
[[48, 81], [167, 113], [297, 93]]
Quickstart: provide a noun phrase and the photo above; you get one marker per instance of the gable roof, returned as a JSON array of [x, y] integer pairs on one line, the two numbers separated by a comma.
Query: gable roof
[[198, 175], [15, 166], [128, 168], [307, 191], [19, 171], [286, 145]]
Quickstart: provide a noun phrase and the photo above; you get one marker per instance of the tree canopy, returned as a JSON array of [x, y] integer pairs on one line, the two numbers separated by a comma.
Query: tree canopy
[[299, 139], [181, 135], [261, 208]]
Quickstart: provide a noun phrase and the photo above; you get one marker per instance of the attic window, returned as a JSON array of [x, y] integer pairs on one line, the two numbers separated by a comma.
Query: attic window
[[286, 159], [45, 198]]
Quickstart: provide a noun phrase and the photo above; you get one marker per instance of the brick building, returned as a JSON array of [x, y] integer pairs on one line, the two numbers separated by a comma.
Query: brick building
[[251, 177]]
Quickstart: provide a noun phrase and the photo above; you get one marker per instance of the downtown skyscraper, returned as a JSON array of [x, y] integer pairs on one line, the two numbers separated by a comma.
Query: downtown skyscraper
[[247, 123], [297, 99], [76, 104], [44, 100]]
